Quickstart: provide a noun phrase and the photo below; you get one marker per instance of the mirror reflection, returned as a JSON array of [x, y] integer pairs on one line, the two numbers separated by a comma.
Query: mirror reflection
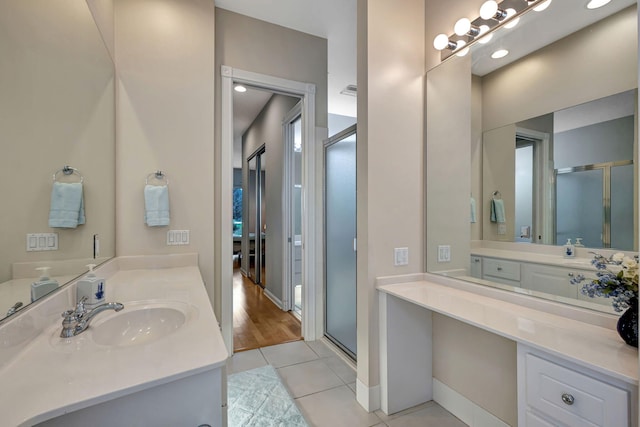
[[57, 127], [552, 144]]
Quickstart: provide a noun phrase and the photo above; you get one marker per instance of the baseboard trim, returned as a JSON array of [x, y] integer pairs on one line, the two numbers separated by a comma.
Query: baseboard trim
[[464, 409], [273, 298], [368, 397]]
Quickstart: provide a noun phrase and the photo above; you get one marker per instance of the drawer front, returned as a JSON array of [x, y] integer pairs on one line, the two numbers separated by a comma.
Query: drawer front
[[535, 421], [573, 398], [499, 268]]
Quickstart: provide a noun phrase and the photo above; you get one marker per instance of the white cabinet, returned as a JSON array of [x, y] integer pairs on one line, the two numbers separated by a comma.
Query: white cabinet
[[475, 268], [551, 280], [501, 271], [555, 392]]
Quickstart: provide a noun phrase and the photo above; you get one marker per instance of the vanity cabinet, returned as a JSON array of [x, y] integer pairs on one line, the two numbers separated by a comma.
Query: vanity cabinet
[[555, 392], [501, 271], [548, 279]]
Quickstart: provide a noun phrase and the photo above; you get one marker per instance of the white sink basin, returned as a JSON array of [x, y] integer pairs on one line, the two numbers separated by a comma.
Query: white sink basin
[[139, 324]]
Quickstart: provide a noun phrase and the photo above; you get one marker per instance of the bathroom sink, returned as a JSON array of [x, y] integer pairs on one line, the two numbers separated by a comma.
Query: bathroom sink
[[139, 324]]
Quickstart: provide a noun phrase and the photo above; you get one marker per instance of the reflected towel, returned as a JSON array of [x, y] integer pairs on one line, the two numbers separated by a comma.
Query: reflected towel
[[156, 205], [67, 205], [497, 211], [473, 210]]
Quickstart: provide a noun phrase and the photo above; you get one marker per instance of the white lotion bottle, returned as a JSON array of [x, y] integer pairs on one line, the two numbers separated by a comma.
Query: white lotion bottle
[[92, 288], [43, 285], [569, 249]]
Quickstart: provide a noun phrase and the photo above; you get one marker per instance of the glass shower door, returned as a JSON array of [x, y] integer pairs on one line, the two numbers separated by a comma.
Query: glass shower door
[[340, 243]]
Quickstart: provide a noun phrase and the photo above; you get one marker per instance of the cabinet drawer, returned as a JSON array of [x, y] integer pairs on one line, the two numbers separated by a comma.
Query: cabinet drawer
[[499, 268], [573, 398]]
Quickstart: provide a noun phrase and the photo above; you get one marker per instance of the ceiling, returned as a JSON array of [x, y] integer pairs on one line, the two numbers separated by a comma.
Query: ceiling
[[334, 20]]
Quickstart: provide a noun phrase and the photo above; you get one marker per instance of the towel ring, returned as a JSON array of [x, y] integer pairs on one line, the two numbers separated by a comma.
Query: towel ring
[[159, 175], [68, 170], [497, 194]]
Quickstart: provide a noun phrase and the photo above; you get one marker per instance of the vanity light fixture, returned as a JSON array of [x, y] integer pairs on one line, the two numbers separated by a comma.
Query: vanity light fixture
[[240, 88], [482, 38], [442, 42], [490, 10], [462, 52], [595, 4], [542, 5], [499, 53], [512, 22], [463, 27]]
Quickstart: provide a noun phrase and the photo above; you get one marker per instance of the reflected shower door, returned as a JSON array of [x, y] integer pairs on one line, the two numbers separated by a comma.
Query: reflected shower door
[[340, 246], [622, 207], [579, 210], [253, 216]]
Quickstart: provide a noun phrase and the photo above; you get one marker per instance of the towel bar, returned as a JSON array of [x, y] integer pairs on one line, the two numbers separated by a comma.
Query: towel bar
[[68, 170]]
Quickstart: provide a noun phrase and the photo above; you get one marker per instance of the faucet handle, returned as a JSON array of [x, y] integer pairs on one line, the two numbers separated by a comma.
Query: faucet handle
[[80, 310]]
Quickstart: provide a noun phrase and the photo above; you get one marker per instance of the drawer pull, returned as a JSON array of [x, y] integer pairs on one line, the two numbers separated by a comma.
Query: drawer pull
[[570, 274], [476, 260], [567, 398], [499, 268]]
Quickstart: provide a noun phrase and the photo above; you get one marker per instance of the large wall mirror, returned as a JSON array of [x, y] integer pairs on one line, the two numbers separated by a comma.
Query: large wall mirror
[[57, 109], [552, 140]]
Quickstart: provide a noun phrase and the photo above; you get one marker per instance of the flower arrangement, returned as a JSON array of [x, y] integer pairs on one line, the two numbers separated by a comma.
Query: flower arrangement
[[616, 278]]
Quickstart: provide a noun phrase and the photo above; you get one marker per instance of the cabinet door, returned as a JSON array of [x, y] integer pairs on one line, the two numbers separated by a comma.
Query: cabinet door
[[475, 268], [551, 280]]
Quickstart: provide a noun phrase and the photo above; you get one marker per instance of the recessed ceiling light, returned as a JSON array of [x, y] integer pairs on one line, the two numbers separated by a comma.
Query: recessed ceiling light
[[240, 88], [499, 53], [594, 4]]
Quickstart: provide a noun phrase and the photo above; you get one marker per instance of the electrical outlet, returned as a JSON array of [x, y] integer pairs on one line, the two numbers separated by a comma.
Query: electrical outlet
[[444, 253], [177, 237], [401, 256]]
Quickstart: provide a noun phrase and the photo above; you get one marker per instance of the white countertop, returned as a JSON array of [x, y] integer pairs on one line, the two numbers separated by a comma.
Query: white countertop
[[51, 376], [538, 258], [595, 347]]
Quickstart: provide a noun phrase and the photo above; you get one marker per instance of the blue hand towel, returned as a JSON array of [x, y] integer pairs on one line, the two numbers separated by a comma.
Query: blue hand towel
[[156, 204], [67, 205], [473, 210], [497, 211]]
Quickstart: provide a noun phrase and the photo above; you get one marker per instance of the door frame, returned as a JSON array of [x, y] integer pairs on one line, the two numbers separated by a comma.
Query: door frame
[[288, 237], [305, 91]]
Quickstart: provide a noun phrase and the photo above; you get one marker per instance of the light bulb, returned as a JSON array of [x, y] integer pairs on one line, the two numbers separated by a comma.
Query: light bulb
[[462, 27], [499, 53], [461, 52], [441, 42], [488, 9], [484, 38], [594, 4], [542, 6], [513, 22]]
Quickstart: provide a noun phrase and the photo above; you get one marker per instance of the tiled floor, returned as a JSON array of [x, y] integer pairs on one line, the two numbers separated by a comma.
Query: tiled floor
[[323, 386]]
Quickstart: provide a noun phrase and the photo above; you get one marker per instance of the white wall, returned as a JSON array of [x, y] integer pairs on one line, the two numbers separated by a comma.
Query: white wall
[[389, 161], [165, 109]]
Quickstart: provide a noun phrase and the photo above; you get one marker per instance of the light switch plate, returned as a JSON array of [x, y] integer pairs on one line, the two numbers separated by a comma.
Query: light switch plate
[[502, 229], [401, 256], [37, 242], [177, 237], [444, 253]]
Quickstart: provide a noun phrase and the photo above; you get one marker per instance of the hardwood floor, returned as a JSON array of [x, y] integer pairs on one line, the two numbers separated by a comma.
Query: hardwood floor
[[257, 321]]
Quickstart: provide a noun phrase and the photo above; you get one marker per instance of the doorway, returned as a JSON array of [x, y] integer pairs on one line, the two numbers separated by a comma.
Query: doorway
[[306, 93]]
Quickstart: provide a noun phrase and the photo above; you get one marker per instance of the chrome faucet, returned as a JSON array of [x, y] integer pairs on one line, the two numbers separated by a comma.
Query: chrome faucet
[[77, 321], [14, 308]]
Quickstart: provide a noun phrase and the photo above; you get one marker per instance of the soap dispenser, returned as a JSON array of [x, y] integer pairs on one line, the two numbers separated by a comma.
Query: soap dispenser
[[92, 288], [43, 285], [569, 249]]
